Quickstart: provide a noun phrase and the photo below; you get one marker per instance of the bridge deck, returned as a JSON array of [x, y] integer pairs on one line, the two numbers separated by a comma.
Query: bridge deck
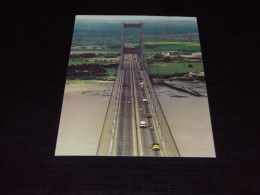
[[124, 134]]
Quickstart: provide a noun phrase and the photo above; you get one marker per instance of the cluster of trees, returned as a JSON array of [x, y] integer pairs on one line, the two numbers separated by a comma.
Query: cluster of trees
[[115, 65], [158, 57], [84, 55], [150, 46], [94, 55], [167, 76], [108, 55], [84, 71], [172, 59], [161, 58]]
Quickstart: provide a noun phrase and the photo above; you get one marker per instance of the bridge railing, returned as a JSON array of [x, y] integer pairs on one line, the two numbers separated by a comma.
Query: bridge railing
[[106, 146], [107, 138], [165, 135]]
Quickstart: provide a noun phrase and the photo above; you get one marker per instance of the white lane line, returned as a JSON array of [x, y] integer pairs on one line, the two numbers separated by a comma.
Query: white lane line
[[138, 119], [134, 128]]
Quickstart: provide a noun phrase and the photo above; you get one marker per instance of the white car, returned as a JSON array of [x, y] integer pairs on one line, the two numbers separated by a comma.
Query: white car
[[145, 100], [142, 124]]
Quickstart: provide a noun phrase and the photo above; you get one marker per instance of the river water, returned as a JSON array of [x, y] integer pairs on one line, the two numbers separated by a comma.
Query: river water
[[189, 120], [84, 108]]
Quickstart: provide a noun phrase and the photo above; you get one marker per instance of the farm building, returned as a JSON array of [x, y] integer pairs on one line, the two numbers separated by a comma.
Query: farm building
[[171, 53], [198, 74]]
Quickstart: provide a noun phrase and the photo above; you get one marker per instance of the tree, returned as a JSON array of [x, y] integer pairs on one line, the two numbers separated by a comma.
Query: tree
[[158, 57], [150, 60], [179, 58], [167, 59], [88, 55]]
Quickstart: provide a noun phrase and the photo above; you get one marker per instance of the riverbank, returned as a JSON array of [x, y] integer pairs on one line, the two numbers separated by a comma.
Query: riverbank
[[191, 86]]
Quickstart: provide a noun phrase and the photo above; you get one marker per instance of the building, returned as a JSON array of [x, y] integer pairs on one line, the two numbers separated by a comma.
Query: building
[[198, 74], [171, 53], [191, 58], [194, 57]]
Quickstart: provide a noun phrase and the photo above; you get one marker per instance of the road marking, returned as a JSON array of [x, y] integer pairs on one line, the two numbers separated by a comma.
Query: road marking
[[134, 128], [150, 107], [137, 118]]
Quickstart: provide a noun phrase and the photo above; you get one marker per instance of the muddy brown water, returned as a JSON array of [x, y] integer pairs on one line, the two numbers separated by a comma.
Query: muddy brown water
[[84, 108]]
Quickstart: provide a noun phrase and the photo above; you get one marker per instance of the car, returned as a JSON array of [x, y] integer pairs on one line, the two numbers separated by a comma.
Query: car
[[129, 102], [145, 100], [151, 128], [142, 124], [148, 115], [156, 147]]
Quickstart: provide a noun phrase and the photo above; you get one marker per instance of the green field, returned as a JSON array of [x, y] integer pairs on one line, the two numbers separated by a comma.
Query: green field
[[153, 39], [81, 48], [161, 39], [78, 81], [104, 61], [173, 43], [77, 61], [171, 47], [82, 42], [151, 53], [171, 68], [111, 72]]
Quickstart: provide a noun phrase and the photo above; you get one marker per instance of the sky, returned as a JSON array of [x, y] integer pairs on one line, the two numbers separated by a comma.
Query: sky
[[129, 17]]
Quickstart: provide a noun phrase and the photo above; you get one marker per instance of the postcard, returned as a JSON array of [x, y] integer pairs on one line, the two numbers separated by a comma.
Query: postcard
[[136, 87]]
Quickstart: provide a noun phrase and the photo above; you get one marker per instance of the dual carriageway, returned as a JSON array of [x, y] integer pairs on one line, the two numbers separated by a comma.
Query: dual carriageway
[[131, 139], [122, 134]]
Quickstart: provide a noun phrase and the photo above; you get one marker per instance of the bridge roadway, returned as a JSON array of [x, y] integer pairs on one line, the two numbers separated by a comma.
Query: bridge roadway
[[131, 140], [126, 128]]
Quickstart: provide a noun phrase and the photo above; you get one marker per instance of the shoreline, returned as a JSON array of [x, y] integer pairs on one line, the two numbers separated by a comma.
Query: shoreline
[[182, 89]]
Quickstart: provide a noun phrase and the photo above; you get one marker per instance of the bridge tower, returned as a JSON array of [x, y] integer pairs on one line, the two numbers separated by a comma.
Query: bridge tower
[[130, 50]]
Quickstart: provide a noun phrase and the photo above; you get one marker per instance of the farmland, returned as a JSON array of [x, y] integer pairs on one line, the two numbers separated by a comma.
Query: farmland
[[104, 61], [173, 43], [92, 67], [167, 69], [98, 46], [166, 46]]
